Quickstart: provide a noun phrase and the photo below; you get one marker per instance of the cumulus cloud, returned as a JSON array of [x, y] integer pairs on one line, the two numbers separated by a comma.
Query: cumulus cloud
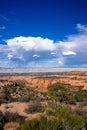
[[31, 43], [28, 49], [41, 52]]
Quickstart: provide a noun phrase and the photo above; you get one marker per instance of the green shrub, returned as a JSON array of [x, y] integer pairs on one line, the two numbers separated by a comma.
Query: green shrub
[[34, 107], [69, 121], [11, 117], [76, 122], [65, 94], [43, 123], [1, 120], [30, 125], [81, 96], [60, 119], [1, 116], [58, 92], [49, 112]]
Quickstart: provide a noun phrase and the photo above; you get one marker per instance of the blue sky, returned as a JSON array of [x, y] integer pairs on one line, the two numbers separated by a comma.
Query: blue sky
[[43, 33]]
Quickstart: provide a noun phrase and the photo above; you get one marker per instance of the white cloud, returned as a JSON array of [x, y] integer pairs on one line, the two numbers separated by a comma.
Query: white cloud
[[61, 61], [82, 27], [27, 51], [35, 55], [31, 43], [69, 53], [53, 53], [10, 56]]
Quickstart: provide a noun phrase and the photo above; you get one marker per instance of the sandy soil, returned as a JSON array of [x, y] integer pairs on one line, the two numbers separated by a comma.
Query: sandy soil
[[14, 107], [42, 82], [19, 108]]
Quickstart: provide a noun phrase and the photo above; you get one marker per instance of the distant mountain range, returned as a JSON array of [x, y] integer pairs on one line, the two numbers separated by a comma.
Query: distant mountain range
[[39, 70]]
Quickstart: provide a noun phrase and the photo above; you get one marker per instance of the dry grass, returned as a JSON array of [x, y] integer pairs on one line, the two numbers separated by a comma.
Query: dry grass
[[12, 126]]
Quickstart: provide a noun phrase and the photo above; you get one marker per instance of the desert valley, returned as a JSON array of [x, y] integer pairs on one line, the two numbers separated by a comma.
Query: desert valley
[[27, 101]]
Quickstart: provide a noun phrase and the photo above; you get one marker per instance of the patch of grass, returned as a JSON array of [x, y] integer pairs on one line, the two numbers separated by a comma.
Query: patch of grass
[[81, 96], [30, 125], [34, 107], [61, 120]]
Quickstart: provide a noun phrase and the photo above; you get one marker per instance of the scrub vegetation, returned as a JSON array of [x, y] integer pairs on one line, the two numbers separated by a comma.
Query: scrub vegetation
[[61, 107]]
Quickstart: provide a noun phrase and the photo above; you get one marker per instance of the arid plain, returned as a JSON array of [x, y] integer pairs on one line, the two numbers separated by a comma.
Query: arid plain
[[18, 93]]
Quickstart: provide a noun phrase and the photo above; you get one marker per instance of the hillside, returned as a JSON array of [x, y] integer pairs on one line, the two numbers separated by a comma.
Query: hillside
[[41, 82]]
